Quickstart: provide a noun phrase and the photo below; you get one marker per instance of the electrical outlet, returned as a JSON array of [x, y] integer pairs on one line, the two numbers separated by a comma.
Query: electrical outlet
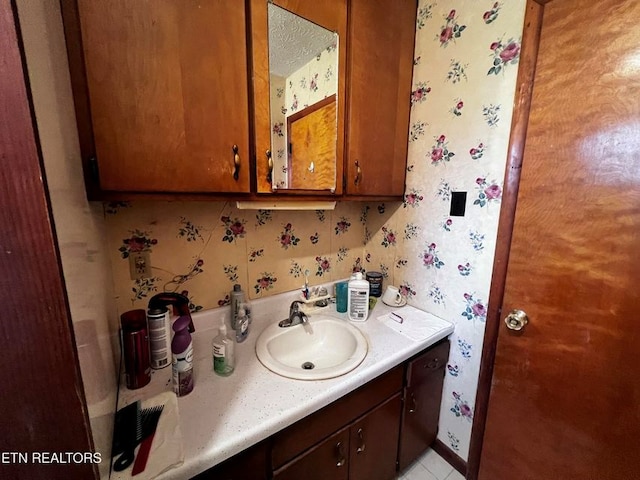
[[140, 265]]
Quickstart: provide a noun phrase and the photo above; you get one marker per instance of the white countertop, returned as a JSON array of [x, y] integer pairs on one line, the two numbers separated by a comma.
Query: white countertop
[[224, 415]]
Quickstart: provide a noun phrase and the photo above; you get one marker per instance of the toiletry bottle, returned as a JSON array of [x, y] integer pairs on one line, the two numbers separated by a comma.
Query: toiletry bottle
[[358, 298], [242, 323], [237, 297], [182, 357], [223, 354], [159, 325]]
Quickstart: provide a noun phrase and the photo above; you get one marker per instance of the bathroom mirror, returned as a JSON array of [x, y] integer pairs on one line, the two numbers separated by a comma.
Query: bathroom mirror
[[303, 102]]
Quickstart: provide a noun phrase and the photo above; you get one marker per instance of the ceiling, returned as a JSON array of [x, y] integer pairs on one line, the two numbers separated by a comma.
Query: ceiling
[[294, 41]]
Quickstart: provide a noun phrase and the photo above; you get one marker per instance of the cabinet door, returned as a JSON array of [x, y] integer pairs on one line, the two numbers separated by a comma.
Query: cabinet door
[[421, 409], [328, 460], [168, 93], [380, 62], [374, 442], [251, 464]]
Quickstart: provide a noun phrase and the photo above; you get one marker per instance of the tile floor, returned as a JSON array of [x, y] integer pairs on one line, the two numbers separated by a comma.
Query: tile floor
[[430, 466]]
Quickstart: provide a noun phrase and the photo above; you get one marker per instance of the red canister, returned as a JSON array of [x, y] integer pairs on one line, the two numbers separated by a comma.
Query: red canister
[[135, 346]]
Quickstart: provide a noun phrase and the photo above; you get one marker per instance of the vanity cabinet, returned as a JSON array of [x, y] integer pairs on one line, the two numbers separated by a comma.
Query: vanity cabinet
[[371, 433], [422, 396], [354, 438], [380, 61], [364, 450], [161, 94]]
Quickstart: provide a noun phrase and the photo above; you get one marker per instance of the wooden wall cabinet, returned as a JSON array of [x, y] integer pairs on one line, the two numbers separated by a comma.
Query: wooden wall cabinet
[[172, 98], [421, 407], [161, 92], [380, 60]]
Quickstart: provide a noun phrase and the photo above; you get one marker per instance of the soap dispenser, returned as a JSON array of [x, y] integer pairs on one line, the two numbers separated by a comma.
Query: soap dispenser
[[223, 352]]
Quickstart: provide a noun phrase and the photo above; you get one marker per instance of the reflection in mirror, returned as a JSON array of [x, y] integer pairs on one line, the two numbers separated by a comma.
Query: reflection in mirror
[[303, 75]]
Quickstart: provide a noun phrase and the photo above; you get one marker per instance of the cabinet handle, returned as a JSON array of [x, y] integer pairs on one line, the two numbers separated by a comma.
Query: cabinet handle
[[270, 166], [236, 162], [414, 405], [358, 173], [362, 446], [341, 458], [433, 363]]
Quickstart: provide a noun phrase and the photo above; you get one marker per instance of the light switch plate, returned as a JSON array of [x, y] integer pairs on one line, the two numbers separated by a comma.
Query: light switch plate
[[139, 265], [458, 204]]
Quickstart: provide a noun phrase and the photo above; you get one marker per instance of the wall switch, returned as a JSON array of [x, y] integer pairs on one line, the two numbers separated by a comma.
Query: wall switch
[[458, 204], [140, 265]]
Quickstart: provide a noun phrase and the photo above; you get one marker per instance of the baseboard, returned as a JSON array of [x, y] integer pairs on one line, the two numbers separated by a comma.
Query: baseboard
[[450, 456]]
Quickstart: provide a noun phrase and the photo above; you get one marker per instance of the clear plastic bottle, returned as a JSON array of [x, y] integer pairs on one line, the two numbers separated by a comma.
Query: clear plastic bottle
[[223, 352], [242, 323], [237, 298]]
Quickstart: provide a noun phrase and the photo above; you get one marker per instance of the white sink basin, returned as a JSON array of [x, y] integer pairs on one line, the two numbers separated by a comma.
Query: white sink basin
[[325, 347]]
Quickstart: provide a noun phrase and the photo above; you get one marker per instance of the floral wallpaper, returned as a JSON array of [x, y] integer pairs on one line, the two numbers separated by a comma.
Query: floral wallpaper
[[202, 248], [465, 69], [313, 82]]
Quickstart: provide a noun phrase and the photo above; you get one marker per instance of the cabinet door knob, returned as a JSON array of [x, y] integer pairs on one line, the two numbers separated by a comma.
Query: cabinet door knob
[[413, 405], [340, 453], [236, 163], [362, 445], [269, 165], [356, 181]]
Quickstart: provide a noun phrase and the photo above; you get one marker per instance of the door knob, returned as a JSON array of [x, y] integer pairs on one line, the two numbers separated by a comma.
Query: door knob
[[516, 320]]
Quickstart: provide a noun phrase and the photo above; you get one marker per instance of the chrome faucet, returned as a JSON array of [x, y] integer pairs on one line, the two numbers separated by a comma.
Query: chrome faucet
[[296, 316]]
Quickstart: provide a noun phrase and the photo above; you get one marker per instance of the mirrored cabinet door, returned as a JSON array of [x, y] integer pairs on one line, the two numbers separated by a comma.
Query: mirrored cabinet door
[[299, 95]]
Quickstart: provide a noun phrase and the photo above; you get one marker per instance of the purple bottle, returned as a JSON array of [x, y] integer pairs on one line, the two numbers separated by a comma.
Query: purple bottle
[[182, 357]]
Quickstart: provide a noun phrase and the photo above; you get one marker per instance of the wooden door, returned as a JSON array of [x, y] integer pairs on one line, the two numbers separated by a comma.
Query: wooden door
[[374, 442], [312, 146], [565, 395], [167, 87], [380, 69], [42, 401]]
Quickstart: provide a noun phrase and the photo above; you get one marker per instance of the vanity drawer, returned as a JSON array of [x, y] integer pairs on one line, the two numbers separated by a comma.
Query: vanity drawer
[[309, 431], [422, 366]]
